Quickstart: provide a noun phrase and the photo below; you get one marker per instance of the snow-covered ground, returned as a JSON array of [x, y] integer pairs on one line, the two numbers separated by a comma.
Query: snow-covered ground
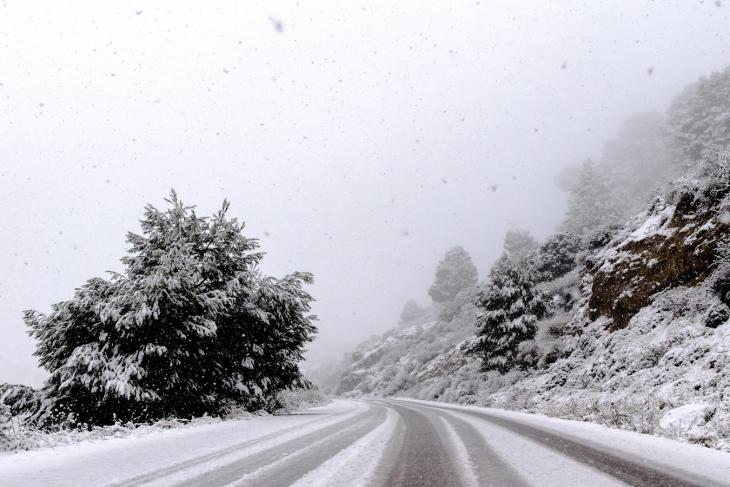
[[378, 442], [115, 459]]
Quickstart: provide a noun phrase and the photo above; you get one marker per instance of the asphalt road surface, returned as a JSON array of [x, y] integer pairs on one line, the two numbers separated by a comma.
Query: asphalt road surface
[[385, 443]]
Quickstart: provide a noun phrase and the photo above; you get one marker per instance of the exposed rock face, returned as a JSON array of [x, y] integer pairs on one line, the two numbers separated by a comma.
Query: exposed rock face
[[675, 246]]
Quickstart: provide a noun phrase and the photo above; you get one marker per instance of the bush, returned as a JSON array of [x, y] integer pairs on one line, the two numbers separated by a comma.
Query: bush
[[301, 398], [717, 315]]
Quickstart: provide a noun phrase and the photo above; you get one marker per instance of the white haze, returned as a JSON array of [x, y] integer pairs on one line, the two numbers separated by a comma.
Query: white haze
[[358, 140]]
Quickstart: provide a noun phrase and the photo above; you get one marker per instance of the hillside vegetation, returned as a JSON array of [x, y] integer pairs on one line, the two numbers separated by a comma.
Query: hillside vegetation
[[620, 318]]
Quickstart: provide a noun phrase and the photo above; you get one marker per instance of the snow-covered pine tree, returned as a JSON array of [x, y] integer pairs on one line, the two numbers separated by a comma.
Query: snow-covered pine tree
[[556, 256], [591, 204], [455, 272], [636, 161], [156, 340], [261, 340], [411, 311], [519, 243], [698, 121], [509, 307]]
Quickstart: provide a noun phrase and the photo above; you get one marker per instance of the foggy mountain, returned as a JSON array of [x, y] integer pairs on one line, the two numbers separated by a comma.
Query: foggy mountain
[[375, 244], [619, 318]]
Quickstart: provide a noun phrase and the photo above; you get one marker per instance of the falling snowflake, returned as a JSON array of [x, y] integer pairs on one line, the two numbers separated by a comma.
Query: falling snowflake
[[277, 24]]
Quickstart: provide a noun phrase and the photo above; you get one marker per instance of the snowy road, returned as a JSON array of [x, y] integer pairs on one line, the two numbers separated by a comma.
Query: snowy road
[[380, 443]]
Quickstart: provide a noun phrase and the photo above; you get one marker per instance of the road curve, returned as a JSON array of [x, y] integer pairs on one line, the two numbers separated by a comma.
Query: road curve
[[436, 449], [378, 443], [621, 467], [636, 472]]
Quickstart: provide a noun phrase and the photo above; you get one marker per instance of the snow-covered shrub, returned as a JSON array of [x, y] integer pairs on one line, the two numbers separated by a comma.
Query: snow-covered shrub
[[600, 237], [706, 183], [190, 326], [549, 342], [717, 315], [401, 381], [528, 354], [6, 441], [715, 172], [300, 398]]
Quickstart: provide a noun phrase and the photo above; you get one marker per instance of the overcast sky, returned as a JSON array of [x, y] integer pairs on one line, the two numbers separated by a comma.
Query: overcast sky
[[358, 140]]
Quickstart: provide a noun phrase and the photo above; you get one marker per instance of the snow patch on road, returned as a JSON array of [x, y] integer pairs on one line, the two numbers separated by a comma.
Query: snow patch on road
[[460, 455], [674, 455], [546, 467], [94, 463], [355, 465], [197, 470]]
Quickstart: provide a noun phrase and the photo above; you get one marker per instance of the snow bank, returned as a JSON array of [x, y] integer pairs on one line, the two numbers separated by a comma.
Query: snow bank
[[96, 462]]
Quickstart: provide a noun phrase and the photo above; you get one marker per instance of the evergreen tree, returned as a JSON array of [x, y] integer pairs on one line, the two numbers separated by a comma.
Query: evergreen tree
[[556, 256], [462, 304], [411, 311], [518, 244], [509, 307], [261, 341], [636, 161], [591, 204], [455, 272], [698, 121], [181, 332]]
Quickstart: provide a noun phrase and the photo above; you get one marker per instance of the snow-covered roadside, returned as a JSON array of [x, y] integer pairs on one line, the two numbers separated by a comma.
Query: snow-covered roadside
[[711, 463], [104, 461], [16, 436]]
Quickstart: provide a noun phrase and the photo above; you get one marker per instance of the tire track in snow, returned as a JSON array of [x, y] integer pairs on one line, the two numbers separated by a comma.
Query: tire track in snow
[[478, 463], [285, 464], [488, 468], [634, 472], [423, 459], [354, 466], [532, 464], [461, 455], [171, 470]]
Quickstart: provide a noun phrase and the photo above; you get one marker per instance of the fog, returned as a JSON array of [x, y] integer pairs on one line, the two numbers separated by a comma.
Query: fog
[[357, 140]]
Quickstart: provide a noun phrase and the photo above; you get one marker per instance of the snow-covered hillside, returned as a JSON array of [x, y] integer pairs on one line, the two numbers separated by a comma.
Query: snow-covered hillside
[[644, 345]]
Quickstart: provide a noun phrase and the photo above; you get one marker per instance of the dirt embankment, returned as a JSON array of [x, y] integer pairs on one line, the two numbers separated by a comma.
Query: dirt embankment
[[677, 247]]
